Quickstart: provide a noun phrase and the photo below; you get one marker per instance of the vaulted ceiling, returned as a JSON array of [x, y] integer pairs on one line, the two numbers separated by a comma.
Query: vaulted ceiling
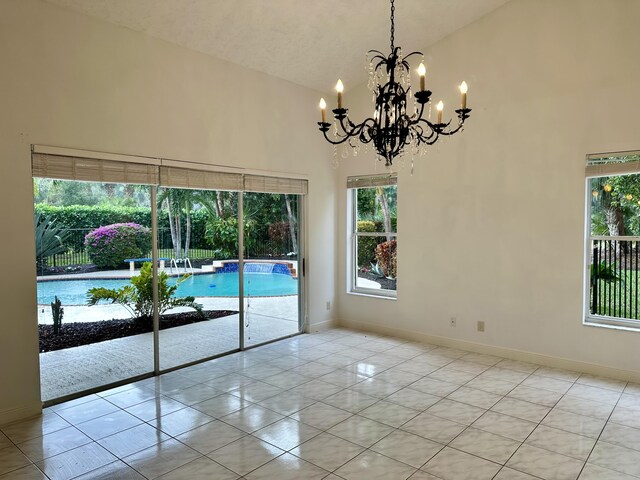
[[308, 42]]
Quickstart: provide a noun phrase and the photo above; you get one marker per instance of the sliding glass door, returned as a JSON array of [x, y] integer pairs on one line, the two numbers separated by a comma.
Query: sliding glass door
[[198, 276], [91, 240], [272, 266], [144, 268]]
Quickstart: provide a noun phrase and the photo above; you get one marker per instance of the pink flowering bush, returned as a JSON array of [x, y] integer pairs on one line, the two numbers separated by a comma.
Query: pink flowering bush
[[110, 245]]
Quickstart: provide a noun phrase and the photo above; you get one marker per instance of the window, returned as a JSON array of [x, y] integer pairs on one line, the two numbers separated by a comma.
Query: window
[[612, 273], [373, 255]]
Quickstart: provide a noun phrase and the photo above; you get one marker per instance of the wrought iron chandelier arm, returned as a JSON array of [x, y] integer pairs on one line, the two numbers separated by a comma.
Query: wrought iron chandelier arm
[[463, 114], [340, 140], [353, 130], [428, 139]]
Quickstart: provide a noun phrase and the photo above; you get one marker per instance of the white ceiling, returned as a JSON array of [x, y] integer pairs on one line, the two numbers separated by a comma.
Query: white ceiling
[[308, 42]]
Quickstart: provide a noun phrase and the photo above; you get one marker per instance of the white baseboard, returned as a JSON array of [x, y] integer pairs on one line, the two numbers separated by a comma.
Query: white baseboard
[[320, 326], [522, 355], [20, 413]]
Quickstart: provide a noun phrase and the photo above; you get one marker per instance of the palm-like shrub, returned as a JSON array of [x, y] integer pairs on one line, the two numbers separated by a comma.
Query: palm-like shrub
[[50, 239], [110, 245], [138, 297]]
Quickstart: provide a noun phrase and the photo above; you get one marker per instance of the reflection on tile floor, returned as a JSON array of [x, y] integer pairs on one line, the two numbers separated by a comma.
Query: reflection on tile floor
[[340, 405]]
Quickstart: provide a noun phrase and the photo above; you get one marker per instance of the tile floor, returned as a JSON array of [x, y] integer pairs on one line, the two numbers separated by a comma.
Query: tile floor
[[340, 405]]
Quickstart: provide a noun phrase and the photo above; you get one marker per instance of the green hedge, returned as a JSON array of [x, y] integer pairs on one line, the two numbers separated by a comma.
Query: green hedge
[[90, 217]]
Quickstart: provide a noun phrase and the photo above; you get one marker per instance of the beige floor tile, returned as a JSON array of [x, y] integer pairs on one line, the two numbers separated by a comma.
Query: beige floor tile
[[76, 462], [161, 458], [54, 443], [373, 466], [327, 451]]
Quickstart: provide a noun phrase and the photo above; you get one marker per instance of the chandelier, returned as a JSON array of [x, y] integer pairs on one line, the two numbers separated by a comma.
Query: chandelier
[[393, 126]]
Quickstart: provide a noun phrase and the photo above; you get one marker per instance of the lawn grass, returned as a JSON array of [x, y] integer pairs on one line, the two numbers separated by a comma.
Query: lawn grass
[[619, 299]]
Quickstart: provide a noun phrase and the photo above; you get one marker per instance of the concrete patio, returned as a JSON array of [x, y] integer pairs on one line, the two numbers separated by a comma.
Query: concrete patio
[[64, 372]]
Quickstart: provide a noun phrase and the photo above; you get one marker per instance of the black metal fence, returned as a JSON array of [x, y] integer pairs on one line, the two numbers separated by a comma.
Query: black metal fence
[[254, 248], [615, 277]]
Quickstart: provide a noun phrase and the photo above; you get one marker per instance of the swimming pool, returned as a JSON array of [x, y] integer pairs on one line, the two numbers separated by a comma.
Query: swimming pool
[[74, 292]]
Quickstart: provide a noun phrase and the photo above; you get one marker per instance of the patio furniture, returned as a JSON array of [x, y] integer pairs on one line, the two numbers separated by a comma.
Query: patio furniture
[[132, 262]]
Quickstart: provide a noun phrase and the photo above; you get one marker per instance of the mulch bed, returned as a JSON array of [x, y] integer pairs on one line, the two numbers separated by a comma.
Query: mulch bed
[[386, 283], [84, 333]]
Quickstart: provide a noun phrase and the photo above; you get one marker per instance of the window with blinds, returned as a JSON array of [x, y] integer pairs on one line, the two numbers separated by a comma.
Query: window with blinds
[[373, 234], [612, 252], [63, 167]]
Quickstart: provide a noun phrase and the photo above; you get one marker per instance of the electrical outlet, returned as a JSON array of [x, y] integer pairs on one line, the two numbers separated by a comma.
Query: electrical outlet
[[452, 322], [328, 305], [481, 326]]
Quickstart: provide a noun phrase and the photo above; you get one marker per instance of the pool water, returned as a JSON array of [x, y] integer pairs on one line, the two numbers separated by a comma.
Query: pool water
[[74, 292]]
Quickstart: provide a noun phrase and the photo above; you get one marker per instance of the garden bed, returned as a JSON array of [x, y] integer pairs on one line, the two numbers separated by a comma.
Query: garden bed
[[385, 283], [84, 333]]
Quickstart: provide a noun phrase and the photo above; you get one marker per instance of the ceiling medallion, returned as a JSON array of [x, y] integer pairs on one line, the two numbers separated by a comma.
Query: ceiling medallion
[[392, 128]]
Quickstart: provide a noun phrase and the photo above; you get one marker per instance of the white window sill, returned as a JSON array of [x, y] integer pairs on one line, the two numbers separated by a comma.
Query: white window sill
[[373, 294], [612, 323]]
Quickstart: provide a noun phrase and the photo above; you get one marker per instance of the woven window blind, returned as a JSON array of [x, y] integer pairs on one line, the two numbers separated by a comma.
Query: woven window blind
[[67, 167], [266, 184], [372, 181], [92, 170], [199, 179], [612, 164]]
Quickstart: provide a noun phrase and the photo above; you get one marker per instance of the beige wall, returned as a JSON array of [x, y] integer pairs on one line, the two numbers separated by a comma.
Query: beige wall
[[491, 224], [71, 81]]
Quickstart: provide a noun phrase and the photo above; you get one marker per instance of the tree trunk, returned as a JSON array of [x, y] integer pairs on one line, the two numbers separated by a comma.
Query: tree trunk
[[292, 225], [178, 228], [172, 227], [614, 221], [187, 239], [384, 205], [219, 204]]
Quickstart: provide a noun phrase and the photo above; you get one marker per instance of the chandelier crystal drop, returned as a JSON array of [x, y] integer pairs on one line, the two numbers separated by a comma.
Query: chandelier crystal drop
[[394, 125]]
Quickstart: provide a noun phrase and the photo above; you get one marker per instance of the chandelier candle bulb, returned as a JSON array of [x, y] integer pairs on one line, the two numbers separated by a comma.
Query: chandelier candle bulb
[[440, 108], [422, 71], [323, 109], [339, 89], [463, 90]]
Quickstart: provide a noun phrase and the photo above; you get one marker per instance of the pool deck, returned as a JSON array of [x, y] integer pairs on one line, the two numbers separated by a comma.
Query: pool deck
[[131, 273]]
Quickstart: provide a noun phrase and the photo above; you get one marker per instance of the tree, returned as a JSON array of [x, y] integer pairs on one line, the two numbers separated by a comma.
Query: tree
[[178, 202], [381, 199], [292, 224], [616, 198]]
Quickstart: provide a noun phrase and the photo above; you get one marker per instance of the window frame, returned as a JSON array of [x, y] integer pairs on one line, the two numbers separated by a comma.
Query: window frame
[[352, 253], [595, 170]]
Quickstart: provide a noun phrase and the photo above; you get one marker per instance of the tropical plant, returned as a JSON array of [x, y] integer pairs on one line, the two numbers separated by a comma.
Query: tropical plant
[[110, 245], [138, 296], [376, 270], [50, 239], [57, 312], [386, 255], [222, 235], [607, 272]]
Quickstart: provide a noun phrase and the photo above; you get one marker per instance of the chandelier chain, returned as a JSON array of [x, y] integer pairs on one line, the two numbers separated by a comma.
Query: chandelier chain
[[393, 26]]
